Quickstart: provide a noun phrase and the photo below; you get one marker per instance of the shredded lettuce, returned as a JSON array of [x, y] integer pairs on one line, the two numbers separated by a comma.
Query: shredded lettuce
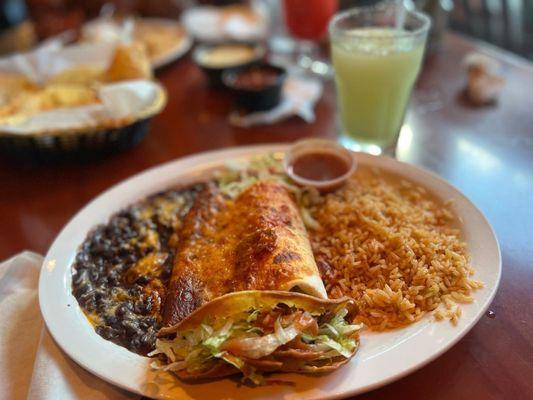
[[255, 377], [344, 346], [239, 175], [339, 324], [281, 334], [331, 329], [335, 334], [253, 316], [207, 329], [199, 349], [231, 359], [308, 219], [257, 347], [216, 340]]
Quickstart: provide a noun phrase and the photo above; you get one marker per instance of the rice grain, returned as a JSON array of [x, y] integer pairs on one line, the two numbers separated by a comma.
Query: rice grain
[[394, 249]]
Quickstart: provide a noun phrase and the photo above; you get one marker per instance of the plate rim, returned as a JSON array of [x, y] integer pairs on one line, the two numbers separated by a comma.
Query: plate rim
[[175, 53], [198, 160]]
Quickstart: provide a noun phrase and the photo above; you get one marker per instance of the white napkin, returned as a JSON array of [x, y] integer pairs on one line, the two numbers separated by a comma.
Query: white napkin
[[32, 366], [300, 93], [46, 61]]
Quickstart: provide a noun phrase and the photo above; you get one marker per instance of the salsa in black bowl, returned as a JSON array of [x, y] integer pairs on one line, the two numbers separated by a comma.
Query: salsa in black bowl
[[257, 87]]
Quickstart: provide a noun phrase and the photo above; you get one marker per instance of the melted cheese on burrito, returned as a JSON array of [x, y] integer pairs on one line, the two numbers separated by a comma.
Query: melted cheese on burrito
[[256, 242]]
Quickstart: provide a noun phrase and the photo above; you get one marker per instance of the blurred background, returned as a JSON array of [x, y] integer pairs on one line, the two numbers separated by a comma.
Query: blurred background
[[505, 23]]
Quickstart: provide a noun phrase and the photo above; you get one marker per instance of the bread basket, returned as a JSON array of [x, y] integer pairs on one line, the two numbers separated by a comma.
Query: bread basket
[[84, 143]]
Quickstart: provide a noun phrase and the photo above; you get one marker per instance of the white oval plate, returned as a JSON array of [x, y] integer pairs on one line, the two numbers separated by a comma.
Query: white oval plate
[[173, 53], [382, 358]]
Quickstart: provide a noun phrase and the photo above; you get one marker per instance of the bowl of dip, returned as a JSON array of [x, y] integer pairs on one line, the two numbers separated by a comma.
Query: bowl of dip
[[257, 87], [213, 60], [319, 163]]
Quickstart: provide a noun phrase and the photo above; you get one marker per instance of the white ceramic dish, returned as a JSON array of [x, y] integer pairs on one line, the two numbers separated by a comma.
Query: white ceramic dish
[[174, 53], [208, 24], [382, 358]]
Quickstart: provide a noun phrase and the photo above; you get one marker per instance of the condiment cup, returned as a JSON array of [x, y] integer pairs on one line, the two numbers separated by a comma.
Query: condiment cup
[[214, 72], [256, 97], [318, 147]]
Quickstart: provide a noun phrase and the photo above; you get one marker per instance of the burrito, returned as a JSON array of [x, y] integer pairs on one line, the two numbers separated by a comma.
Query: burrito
[[252, 332], [255, 242]]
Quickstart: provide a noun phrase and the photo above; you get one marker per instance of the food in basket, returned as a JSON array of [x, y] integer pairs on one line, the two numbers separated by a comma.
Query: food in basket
[[82, 75], [22, 104], [160, 37], [130, 61], [21, 98]]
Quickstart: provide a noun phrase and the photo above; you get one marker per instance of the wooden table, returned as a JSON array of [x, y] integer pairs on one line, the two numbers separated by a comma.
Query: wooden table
[[486, 152]]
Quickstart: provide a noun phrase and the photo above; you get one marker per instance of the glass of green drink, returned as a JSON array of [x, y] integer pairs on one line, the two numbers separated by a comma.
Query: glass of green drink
[[377, 52]]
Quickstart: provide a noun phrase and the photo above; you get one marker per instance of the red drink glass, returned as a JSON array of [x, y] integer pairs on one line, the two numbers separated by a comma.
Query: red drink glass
[[307, 22], [308, 19]]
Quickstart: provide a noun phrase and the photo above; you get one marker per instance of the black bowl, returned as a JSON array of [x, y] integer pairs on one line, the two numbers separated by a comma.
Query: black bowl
[[257, 87], [214, 73]]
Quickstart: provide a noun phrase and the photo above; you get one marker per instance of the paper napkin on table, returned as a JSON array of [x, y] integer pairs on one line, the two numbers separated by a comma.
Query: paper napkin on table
[[300, 93], [32, 366]]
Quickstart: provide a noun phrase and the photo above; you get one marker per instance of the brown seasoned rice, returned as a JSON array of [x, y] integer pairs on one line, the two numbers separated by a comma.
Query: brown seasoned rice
[[394, 249]]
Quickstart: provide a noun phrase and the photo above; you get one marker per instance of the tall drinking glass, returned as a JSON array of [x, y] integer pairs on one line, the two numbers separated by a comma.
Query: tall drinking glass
[[377, 52], [307, 22]]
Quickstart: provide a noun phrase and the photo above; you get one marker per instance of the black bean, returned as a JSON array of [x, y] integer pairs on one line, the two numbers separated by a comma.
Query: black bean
[[107, 332], [83, 288], [109, 251], [140, 307], [146, 323], [132, 327], [113, 281], [148, 340], [142, 280], [99, 293], [130, 258], [111, 320], [94, 274], [121, 310]]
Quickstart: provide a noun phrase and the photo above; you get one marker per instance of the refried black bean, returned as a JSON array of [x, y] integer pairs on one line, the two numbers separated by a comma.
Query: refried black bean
[[126, 311]]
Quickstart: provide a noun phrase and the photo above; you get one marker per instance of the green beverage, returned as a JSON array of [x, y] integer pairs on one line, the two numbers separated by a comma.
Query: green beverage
[[375, 70]]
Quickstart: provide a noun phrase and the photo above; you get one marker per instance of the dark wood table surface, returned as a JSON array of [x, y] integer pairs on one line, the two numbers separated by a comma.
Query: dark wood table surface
[[486, 152]]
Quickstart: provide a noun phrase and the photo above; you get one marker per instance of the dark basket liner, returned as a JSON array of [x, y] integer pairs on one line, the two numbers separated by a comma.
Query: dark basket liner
[[33, 150]]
